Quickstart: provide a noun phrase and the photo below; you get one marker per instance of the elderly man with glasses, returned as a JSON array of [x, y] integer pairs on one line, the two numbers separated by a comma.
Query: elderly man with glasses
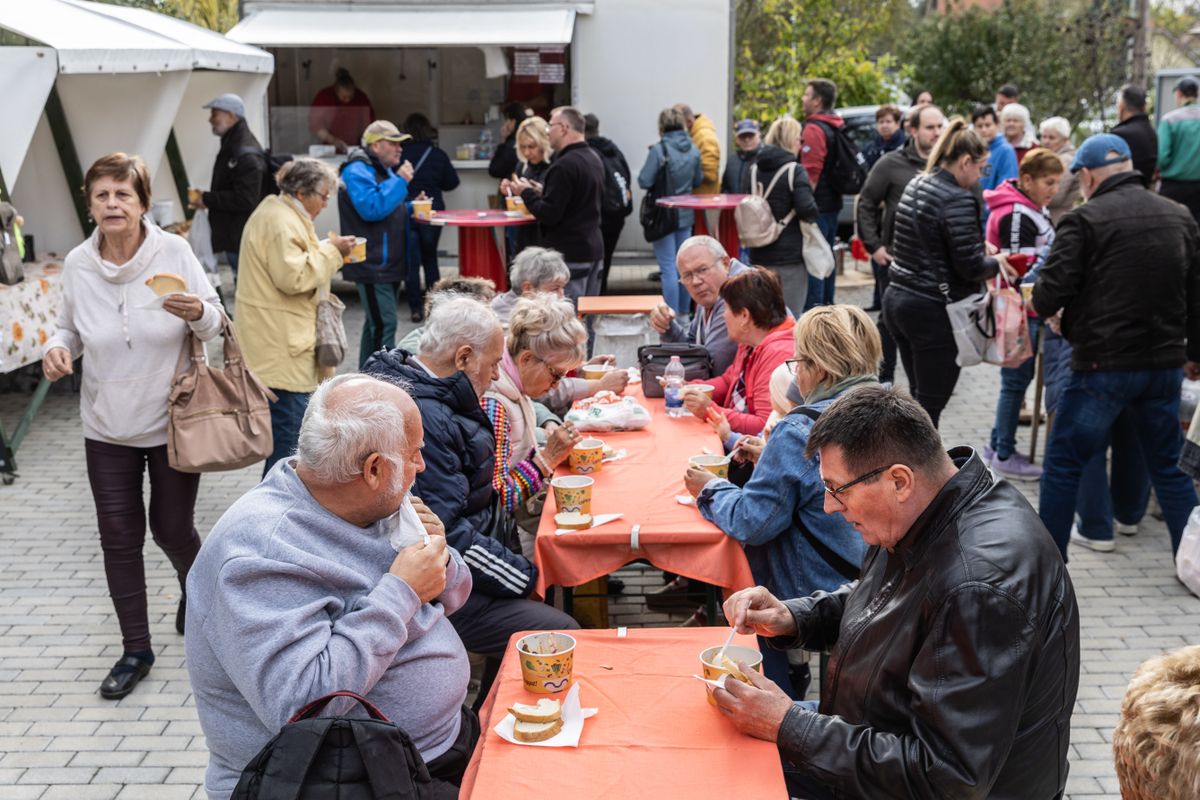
[[704, 266], [954, 658]]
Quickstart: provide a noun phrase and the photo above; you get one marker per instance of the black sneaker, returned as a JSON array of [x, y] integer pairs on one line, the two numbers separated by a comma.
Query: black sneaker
[[181, 614]]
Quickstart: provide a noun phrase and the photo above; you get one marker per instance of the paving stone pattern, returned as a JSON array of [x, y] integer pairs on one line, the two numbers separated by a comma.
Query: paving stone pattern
[[58, 633]]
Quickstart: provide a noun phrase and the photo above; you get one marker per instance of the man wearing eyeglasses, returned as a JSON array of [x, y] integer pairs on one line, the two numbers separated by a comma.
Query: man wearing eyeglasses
[[953, 659], [568, 203], [704, 266]]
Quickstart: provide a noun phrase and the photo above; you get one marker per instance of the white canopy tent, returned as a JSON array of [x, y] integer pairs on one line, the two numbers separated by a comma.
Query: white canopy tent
[[126, 78]]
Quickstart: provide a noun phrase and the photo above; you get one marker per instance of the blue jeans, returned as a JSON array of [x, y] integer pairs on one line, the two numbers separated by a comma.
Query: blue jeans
[[232, 257], [820, 290], [1090, 405], [1126, 496], [286, 414], [422, 251], [665, 250], [1013, 383]]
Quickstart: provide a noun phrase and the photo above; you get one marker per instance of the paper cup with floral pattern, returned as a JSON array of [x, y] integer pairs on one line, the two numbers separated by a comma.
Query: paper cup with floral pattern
[[735, 653], [717, 465], [573, 493], [547, 660], [587, 456]]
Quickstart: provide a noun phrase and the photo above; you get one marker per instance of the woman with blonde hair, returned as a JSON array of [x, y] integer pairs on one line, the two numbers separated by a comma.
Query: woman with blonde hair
[[785, 132], [792, 545], [533, 157], [939, 257], [132, 353]]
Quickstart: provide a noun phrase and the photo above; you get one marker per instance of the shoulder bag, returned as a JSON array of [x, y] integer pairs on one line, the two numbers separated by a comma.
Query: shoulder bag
[[653, 360], [331, 333], [217, 419], [658, 221]]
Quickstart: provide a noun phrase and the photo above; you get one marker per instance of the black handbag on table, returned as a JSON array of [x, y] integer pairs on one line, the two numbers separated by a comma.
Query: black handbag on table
[[658, 221], [653, 359]]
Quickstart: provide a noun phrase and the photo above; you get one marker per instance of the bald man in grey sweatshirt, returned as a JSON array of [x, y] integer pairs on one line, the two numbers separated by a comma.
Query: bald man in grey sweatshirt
[[300, 591]]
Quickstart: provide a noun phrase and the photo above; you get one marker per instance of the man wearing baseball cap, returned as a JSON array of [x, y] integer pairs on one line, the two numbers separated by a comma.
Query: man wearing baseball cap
[[237, 177], [1124, 271], [371, 204], [1179, 147], [748, 137]]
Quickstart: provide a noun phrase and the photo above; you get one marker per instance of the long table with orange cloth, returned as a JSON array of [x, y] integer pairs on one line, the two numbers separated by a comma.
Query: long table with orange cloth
[[655, 736], [643, 486]]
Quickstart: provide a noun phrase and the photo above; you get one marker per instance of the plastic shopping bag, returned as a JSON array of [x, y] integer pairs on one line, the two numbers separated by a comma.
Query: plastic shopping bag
[[972, 326], [1010, 345], [1187, 560], [605, 411], [200, 239]]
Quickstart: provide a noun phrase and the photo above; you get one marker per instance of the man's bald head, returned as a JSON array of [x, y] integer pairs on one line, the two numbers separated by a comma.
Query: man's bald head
[[350, 417]]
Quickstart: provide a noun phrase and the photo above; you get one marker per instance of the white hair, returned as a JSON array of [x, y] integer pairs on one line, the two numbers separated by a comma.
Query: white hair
[[547, 326], [334, 441], [1059, 125], [537, 266], [715, 248], [457, 319]]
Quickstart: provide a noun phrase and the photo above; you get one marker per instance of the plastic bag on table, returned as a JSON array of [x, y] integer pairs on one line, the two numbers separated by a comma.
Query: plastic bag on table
[[605, 411], [1187, 560]]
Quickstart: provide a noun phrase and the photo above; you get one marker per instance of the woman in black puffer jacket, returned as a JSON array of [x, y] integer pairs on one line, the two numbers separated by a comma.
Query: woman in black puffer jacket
[[939, 257]]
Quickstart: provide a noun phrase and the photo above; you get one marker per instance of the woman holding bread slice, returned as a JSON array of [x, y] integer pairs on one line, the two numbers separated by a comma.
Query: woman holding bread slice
[[792, 545], [132, 352]]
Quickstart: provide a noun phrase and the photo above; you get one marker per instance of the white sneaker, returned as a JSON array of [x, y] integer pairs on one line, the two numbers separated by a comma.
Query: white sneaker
[[1099, 545], [1126, 530]]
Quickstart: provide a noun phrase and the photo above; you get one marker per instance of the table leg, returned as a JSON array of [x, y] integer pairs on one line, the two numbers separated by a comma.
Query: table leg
[[479, 258], [700, 226], [712, 602], [727, 232], [9, 447], [1038, 387]]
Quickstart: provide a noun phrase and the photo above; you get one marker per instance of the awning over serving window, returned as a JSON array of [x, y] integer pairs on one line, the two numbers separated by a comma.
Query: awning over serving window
[[406, 27]]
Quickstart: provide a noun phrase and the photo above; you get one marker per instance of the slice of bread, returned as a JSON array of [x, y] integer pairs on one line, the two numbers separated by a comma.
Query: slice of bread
[[546, 710], [536, 731], [167, 283], [573, 520]]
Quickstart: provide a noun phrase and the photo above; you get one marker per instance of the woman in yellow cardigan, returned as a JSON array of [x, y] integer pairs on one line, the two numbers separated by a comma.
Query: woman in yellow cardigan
[[282, 268]]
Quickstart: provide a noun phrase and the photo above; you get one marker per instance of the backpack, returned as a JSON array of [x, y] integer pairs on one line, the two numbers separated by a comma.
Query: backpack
[[845, 169], [617, 200], [10, 246], [313, 757], [274, 163], [756, 223]]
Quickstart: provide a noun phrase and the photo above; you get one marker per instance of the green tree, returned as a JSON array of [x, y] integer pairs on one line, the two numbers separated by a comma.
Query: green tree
[[217, 15], [781, 43], [1067, 60]]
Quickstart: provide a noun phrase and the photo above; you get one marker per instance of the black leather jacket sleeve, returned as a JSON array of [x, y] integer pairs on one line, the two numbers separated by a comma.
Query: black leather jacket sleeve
[[818, 619], [1193, 305], [960, 735]]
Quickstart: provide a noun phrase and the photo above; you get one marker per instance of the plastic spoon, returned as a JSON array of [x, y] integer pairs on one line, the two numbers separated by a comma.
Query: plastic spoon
[[721, 653]]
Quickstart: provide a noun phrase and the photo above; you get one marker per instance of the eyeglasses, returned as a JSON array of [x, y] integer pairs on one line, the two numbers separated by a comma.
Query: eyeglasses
[[552, 124], [837, 493], [792, 363], [556, 375], [696, 275]]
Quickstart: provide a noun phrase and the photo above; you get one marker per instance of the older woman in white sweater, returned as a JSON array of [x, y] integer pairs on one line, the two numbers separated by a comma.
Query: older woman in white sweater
[[132, 353]]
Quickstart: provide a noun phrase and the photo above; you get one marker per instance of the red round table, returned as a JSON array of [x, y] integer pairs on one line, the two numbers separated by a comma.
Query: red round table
[[725, 203], [478, 254]]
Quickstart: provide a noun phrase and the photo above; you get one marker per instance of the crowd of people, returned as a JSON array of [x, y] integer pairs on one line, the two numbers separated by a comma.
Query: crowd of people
[[393, 530]]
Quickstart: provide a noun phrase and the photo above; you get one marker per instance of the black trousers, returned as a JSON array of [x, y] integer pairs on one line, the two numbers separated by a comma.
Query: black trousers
[[887, 370], [115, 473], [610, 229], [926, 345], [1186, 192], [451, 765]]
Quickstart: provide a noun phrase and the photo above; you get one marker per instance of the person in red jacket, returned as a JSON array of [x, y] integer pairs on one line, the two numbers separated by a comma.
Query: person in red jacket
[[759, 322]]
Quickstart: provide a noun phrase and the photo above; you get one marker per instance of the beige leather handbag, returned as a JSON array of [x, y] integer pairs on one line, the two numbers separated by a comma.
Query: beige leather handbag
[[217, 419]]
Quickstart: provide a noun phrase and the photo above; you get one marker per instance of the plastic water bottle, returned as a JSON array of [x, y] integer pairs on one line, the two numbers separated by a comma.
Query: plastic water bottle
[[673, 391]]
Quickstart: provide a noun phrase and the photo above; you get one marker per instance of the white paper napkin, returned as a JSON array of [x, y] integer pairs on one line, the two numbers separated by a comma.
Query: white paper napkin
[[572, 717], [157, 302], [597, 521], [406, 526]]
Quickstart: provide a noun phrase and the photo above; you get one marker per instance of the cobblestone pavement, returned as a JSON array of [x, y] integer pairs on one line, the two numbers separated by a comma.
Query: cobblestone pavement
[[58, 634]]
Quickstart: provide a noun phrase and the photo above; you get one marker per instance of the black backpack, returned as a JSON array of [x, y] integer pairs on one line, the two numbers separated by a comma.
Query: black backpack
[[323, 758], [845, 169], [274, 163], [618, 197]]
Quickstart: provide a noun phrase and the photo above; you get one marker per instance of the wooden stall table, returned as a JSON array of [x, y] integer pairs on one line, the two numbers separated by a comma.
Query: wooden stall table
[[28, 315], [643, 486], [655, 735], [479, 256], [725, 203]]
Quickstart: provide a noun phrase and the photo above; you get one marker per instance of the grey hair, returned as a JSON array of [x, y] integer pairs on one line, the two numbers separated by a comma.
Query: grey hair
[[306, 176], [715, 248], [334, 441], [548, 327], [1059, 125], [537, 266], [456, 319]]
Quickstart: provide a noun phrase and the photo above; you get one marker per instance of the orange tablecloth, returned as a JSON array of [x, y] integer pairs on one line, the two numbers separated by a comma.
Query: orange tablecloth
[[655, 737], [619, 304], [643, 486]]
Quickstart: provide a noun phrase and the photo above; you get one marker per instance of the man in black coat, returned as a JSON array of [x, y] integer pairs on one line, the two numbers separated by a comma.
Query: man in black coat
[[1136, 130], [237, 178], [568, 205], [953, 658], [1124, 270], [617, 200]]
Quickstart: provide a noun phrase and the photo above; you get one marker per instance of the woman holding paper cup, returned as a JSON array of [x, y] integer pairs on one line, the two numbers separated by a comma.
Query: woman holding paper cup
[[533, 152], [545, 341], [132, 351], [779, 515]]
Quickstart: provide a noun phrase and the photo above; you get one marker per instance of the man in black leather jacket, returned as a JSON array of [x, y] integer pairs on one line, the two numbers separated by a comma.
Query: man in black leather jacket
[[954, 658], [1125, 271]]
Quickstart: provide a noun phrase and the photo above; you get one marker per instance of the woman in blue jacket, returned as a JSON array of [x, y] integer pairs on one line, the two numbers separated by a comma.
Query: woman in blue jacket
[[682, 160], [432, 174], [793, 546]]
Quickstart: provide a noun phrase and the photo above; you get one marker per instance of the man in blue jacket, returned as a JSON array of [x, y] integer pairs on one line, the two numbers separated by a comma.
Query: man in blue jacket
[[371, 204], [457, 360]]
